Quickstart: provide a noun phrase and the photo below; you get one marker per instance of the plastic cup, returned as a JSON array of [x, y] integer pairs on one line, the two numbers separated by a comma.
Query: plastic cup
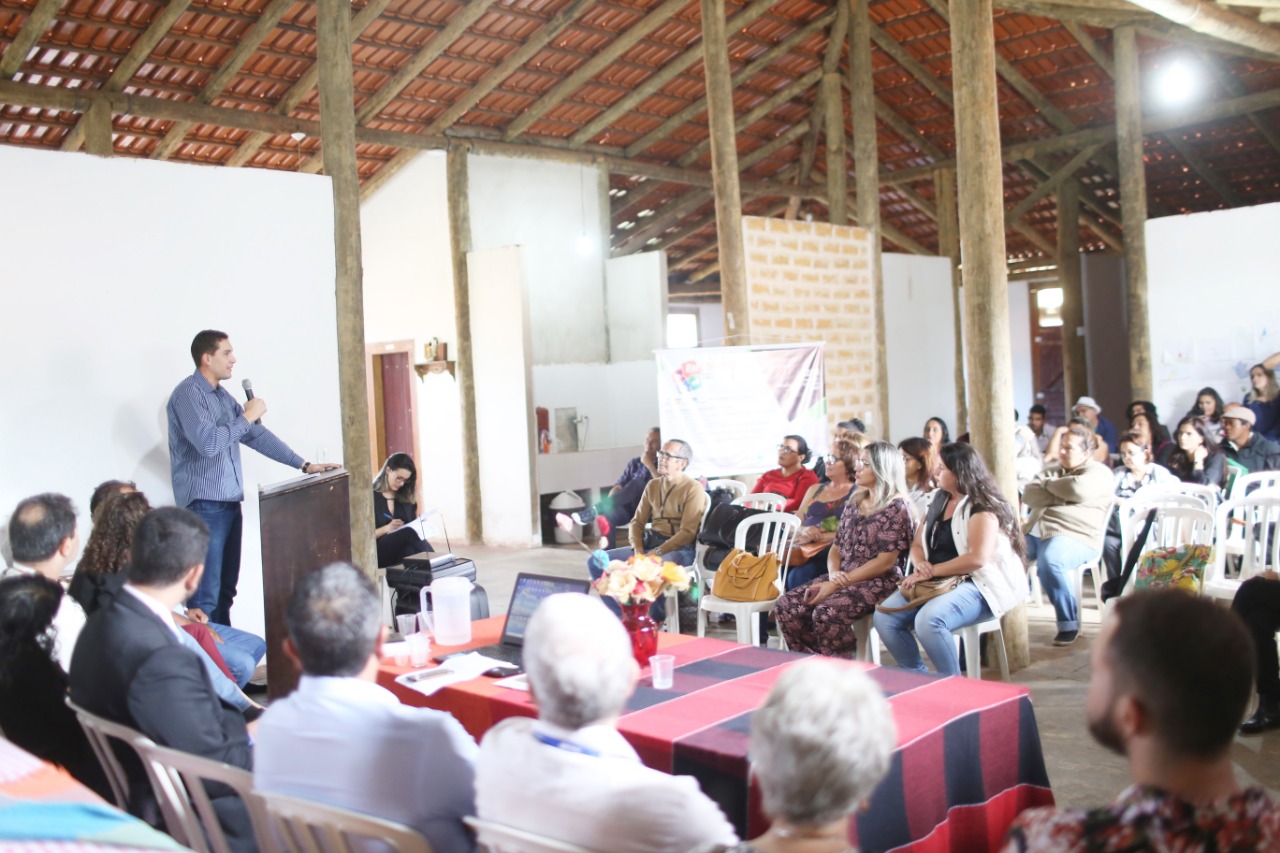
[[663, 668], [419, 649], [407, 623], [424, 623]]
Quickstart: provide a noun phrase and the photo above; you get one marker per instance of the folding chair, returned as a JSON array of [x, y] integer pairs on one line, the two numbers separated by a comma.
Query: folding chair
[[302, 826], [498, 838], [179, 779]]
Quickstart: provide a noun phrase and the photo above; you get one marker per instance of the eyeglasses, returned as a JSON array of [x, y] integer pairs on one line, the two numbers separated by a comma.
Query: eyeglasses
[[786, 448], [662, 454]]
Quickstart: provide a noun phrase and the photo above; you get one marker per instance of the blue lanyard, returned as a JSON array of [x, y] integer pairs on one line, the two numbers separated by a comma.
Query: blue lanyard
[[566, 745]]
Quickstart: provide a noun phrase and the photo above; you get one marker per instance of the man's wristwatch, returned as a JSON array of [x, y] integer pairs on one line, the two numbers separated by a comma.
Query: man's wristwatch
[[305, 466]]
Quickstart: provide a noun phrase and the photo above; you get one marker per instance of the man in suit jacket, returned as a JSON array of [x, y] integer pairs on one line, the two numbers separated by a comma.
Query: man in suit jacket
[[130, 666]]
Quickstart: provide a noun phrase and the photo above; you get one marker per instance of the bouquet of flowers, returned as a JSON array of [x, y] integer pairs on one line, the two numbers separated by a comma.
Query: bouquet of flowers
[[641, 579]]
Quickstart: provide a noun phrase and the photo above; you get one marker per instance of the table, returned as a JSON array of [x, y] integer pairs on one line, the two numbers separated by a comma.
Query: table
[[35, 794], [968, 758]]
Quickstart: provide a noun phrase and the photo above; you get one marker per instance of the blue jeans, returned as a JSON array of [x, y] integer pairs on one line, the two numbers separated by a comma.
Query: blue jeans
[[932, 623], [658, 610], [222, 561], [807, 571], [1057, 560], [241, 651]]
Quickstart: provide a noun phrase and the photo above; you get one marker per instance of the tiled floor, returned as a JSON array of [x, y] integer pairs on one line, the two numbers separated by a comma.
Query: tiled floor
[[1081, 772]]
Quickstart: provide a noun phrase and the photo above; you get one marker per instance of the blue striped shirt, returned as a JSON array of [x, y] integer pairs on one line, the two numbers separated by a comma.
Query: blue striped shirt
[[206, 428]]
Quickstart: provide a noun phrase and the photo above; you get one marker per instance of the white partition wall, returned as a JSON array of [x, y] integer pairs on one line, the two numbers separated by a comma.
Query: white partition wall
[[920, 336], [501, 364], [108, 268]]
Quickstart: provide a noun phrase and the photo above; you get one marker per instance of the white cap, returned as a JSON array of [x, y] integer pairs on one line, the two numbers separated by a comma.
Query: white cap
[[1087, 401]]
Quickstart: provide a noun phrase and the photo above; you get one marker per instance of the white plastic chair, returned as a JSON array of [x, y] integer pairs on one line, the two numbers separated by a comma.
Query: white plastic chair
[[972, 637], [777, 535], [864, 631], [1173, 526], [762, 500], [1180, 494], [179, 778], [1257, 515], [499, 838], [100, 732], [1094, 566], [672, 623], [736, 487], [1247, 484], [302, 826]]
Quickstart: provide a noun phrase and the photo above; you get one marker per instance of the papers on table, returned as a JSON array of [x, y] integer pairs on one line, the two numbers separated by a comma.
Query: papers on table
[[455, 669], [514, 682]]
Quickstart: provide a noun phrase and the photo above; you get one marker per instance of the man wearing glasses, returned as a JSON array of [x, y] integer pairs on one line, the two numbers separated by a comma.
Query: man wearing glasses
[[667, 520], [1240, 443]]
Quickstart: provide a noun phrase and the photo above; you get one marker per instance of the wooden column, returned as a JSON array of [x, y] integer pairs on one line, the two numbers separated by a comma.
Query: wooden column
[[457, 187], [866, 171], [986, 286], [944, 191], [1133, 208], [832, 100], [1075, 379], [724, 171], [338, 144], [604, 234]]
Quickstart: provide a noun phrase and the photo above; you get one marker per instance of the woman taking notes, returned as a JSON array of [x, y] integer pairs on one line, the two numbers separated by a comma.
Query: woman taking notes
[[970, 529], [394, 506]]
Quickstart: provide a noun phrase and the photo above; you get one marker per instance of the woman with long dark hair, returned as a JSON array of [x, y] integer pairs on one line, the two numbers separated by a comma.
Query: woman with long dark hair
[[33, 687], [395, 504], [970, 529], [920, 464], [936, 432], [1199, 458], [100, 572], [1209, 405]]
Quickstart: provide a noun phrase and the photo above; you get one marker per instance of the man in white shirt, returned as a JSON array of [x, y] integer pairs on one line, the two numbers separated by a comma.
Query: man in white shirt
[[43, 538], [342, 740], [569, 774]]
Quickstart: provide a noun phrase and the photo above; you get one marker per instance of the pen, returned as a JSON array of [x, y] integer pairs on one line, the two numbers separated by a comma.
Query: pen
[[430, 673]]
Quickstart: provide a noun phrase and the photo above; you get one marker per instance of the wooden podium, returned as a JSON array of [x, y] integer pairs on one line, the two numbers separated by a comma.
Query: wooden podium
[[305, 525]]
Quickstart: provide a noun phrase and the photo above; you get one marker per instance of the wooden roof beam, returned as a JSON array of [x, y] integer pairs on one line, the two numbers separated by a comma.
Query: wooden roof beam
[[36, 25], [757, 65], [670, 70], [161, 23], [593, 66], [1213, 20], [1229, 81], [1051, 184], [299, 91], [763, 109], [245, 48]]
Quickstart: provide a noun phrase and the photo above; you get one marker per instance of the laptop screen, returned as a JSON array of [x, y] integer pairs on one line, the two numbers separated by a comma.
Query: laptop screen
[[529, 592]]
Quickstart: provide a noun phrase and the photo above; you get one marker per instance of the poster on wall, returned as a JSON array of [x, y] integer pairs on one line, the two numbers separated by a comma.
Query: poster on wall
[[734, 404]]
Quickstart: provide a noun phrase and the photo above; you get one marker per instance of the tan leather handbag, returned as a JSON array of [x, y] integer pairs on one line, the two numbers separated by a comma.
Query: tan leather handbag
[[745, 577]]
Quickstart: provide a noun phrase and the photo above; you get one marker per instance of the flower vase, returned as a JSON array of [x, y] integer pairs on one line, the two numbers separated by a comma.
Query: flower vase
[[642, 630]]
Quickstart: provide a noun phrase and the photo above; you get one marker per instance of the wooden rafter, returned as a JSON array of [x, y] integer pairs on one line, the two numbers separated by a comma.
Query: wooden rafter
[[159, 27], [1050, 184], [1220, 23], [593, 66], [1235, 88], [768, 105], [37, 23], [245, 48]]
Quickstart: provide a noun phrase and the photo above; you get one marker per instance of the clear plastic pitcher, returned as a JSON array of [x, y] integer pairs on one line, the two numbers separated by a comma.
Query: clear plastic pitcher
[[450, 618]]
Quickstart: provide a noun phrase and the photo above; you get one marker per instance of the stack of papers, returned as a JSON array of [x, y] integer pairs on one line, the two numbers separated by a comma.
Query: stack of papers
[[455, 669]]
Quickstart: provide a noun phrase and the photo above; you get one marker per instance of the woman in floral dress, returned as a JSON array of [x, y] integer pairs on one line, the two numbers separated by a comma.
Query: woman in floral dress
[[864, 564]]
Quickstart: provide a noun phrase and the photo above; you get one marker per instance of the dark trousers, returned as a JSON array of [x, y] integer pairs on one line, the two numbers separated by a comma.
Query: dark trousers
[[222, 561], [1258, 604]]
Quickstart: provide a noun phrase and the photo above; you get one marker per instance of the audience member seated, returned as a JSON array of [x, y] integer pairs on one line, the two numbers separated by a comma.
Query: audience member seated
[[937, 434], [395, 507], [43, 540], [1257, 602], [864, 564], [569, 774], [1028, 458], [920, 465], [821, 509], [1244, 446], [853, 430], [1198, 458], [33, 687], [1209, 406], [103, 570], [342, 740], [790, 479], [110, 488], [133, 669], [1153, 435], [1068, 504], [1041, 428], [1264, 398], [1088, 408], [970, 530], [1171, 708], [1100, 452], [667, 520], [809, 793], [616, 508], [1137, 472]]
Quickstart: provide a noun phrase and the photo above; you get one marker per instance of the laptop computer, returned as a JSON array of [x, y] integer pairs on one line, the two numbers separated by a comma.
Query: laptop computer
[[529, 592]]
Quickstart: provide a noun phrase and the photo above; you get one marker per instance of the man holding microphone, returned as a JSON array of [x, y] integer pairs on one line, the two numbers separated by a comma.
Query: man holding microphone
[[206, 428]]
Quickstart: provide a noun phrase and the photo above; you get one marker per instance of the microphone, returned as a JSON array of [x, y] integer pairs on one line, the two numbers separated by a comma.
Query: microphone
[[248, 394]]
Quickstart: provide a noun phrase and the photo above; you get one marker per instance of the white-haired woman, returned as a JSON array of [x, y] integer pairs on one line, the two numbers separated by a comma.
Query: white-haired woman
[[809, 793], [864, 564]]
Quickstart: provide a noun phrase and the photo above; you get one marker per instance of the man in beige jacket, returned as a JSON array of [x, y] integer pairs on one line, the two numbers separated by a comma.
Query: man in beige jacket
[[1069, 502]]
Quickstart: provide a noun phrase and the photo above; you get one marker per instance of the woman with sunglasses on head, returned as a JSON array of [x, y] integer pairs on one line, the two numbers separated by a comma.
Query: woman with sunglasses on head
[[1264, 397], [395, 505], [790, 479], [970, 529], [821, 509]]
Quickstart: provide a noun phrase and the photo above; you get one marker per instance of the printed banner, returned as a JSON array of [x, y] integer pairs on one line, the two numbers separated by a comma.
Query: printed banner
[[734, 405]]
